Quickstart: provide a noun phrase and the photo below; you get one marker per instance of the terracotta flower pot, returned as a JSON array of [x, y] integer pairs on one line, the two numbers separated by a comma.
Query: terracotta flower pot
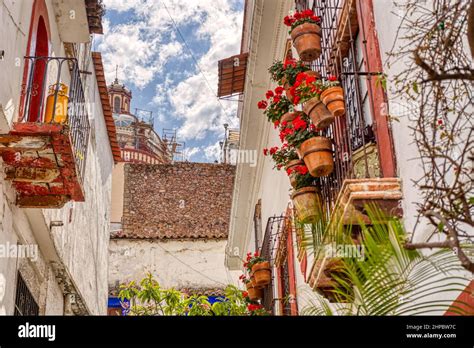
[[288, 117], [317, 155], [262, 273], [333, 98], [308, 204], [293, 164], [318, 112], [307, 41], [254, 293]]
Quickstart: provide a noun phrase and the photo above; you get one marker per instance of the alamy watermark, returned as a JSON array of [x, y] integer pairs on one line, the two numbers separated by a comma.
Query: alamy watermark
[[352, 251], [243, 157], [10, 250]]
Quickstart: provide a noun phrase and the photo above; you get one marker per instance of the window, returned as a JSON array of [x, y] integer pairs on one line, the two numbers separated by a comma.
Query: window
[[117, 105], [25, 303]]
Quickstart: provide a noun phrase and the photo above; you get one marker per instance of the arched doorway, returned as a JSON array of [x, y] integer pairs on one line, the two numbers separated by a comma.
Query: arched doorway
[[38, 71]]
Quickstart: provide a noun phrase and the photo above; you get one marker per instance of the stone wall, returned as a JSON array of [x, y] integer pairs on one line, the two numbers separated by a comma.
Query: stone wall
[[181, 200]]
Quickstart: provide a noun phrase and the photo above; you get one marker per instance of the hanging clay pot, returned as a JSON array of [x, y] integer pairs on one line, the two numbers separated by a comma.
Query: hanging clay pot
[[317, 155], [290, 165], [307, 202], [333, 98], [307, 41], [318, 112], [262, 273], [254, 293]]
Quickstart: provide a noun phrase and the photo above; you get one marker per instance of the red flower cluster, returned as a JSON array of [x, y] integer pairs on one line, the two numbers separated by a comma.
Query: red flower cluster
[[306, 14], [302, 170], [332, 78], [270, 151], [262, 104], [299, 123], [253, 307], [269, 94], [245, 294], [279, 90], [289, 62]]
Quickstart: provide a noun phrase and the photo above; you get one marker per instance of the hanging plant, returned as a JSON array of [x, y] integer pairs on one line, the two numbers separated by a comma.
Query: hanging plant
[[316, 151], [253, 293], [259, 269], [275, 105], [305, 196], [281, 156], [305, 33], [333, 96], [284, 73], [307, 90]]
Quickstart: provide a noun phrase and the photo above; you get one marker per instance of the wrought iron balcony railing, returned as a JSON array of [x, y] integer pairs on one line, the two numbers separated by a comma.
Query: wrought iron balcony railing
[[53, 96], [354, 143]]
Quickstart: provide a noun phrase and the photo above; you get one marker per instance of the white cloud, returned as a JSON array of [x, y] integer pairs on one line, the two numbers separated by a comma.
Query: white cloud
[[212, 152], [151, 41]]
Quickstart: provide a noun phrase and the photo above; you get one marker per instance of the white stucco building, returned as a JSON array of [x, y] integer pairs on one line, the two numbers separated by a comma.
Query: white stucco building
[[57, 164], [359, 33]]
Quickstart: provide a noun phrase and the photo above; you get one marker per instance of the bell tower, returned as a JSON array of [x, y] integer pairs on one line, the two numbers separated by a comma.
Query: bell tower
[[120, 97]]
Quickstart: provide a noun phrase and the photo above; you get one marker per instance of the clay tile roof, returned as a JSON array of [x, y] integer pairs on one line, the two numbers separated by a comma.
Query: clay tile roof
[[107, 110], [177, 201]]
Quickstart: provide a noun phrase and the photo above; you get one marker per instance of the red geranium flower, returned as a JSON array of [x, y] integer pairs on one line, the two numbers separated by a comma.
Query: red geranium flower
[[245, 294], [276, 99], [298, 123], [302, 170], [332, 78], [279, 90], [276, 123], [269, 94], [287, 20], [262, 104], [287, 62], [273, 150], [297, 15], [307, 13], [265, 152]]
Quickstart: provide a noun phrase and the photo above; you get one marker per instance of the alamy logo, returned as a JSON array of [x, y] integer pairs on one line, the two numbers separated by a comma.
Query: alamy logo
[[37, 331]]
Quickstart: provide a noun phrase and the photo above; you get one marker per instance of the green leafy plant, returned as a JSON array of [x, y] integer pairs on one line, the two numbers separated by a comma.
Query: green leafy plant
[[390, 280], [148, 298], [275, 106]]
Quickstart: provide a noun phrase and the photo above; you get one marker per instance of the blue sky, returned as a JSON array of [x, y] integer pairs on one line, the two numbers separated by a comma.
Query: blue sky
[[140, 37]]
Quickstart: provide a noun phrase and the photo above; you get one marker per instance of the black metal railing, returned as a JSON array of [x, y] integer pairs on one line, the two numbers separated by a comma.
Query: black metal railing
[[274, 228], [342, 57], [46, 100]]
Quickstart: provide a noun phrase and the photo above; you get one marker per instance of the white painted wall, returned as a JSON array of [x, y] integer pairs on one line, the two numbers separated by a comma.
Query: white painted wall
[[82, 242], [196, 264]]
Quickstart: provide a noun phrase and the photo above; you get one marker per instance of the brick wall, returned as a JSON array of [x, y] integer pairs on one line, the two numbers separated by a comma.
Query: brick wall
[[177, 201]]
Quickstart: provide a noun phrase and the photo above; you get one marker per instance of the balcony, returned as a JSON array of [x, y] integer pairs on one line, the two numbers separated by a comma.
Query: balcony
[[359, 176], [45, 151], [363, 159]]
